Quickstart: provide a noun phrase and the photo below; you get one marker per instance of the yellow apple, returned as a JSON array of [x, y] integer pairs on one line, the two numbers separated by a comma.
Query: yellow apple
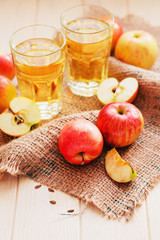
[[21, 116], [111, 90], [118, 169], [138, 48]]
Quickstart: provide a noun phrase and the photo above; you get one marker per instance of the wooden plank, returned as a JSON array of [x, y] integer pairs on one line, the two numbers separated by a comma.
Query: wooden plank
[[7, 17], [14, 14], [37, 218], [8, 187], [95, 224], [153, 213], [8, 196], [92, 222], [117, 8], [27, 13], [149, 10], [49, 11]]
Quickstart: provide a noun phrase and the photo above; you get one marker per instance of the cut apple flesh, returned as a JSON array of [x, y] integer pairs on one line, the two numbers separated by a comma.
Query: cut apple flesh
[[22, 116], [8, 124], [26, 108], [110, 90], [118, 169]]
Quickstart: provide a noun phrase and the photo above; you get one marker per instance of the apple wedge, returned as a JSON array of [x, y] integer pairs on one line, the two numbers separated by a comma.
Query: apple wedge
[[118, 169], [22, 115], [111, 90]]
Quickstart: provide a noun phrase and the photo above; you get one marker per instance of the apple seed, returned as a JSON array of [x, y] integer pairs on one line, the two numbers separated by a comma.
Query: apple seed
[[18, 119], [114, 90], [117, 89]]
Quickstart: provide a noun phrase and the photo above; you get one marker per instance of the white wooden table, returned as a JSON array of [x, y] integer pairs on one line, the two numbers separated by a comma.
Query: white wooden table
[[25, 212]]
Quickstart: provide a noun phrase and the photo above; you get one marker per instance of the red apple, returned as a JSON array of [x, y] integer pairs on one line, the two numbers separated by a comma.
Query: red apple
[[120, 123], [117, 32], [111, 90], [7, 93], [138, 48], [80, 141], [6, 65]]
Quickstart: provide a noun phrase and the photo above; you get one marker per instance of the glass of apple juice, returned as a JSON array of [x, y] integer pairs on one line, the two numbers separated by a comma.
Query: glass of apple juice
[[88, 30], [39, 57]]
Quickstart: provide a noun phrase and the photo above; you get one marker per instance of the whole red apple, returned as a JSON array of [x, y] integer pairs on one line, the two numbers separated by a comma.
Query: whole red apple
[[7, 93], [6, 65], [138, 48], [120, 123], [117, 32], [80, 141]]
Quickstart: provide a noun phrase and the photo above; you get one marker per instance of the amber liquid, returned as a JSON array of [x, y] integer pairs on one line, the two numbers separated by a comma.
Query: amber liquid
[[39, 70], [87, 55]]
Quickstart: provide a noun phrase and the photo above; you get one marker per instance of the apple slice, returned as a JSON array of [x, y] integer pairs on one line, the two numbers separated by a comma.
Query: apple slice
[[9, 125], [118, 169], [26, 108], [111, 90], [20, 118]]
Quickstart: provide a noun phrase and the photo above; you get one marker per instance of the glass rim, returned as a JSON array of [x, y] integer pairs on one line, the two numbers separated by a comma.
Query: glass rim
[[37, 25], [86, 5]]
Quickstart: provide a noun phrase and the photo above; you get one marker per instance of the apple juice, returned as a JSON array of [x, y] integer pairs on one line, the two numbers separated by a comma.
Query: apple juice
[[39, 69], [87, 51]]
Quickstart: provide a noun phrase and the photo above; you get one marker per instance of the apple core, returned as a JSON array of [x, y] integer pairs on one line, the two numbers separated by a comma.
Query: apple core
[[18, 119], [22, 116]]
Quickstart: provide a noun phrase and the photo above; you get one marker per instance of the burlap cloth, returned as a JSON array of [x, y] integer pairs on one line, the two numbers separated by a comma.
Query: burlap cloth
[[37, 156]]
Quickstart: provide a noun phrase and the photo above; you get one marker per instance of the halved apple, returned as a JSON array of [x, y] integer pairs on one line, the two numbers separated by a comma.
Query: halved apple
[[20, 117], [118, 169], [111, 90]]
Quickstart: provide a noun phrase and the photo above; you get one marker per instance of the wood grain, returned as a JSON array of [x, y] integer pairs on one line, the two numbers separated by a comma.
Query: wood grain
[[8, 200], [136, 228]]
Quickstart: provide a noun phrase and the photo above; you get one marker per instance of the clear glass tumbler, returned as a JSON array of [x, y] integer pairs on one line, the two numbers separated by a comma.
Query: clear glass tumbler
[[39, 57], [88, 30]]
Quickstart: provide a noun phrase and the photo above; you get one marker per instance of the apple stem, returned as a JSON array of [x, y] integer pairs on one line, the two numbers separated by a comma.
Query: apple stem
[[11, 111], [137, 35], [17, 117], [82, 158]]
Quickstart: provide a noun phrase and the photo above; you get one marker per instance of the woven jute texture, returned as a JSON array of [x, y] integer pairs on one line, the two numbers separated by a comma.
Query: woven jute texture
[[37, 156]]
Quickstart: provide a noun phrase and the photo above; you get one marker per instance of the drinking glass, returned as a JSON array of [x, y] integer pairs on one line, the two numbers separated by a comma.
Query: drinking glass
[[39, 57], [88, 30]]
